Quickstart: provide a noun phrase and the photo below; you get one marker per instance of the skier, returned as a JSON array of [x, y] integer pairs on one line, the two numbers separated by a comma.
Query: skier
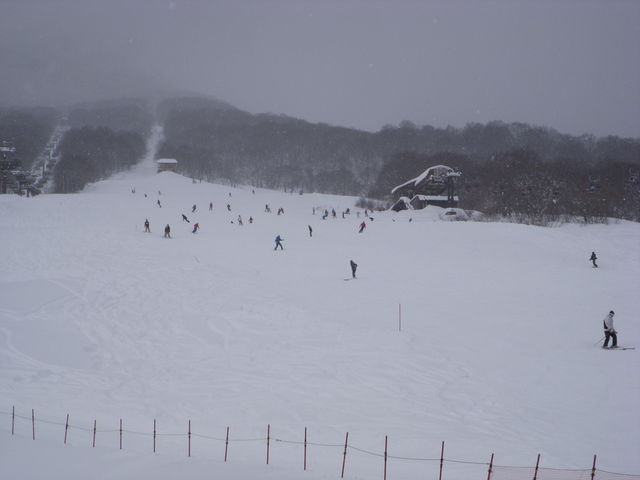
[[250, 219], [310, 231], [354, 265], [240, 220], [210, 206], [362, 227], [159, 205], [185, 219], [167, 231], [228, 207], [193, 209], [333, 212], [267, 209], [593, 259], [146, 225], [196, 226], [609, 331], [279, 241]]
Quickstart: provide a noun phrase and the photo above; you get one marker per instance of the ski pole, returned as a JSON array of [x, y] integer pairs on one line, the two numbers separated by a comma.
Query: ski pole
[[598, 341]]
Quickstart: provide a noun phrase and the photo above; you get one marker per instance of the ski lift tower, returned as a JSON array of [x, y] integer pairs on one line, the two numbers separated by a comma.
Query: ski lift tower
[[7, 164]]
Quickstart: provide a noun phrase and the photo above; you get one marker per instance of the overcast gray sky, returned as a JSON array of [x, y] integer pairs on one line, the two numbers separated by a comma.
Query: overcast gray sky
[[572, 65]]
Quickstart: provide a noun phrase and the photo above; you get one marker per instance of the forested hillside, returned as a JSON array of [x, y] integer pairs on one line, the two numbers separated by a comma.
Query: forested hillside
[[509, 169], [92, 154]]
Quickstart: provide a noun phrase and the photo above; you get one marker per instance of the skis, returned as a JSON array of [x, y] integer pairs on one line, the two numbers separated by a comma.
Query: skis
[[618, 348]]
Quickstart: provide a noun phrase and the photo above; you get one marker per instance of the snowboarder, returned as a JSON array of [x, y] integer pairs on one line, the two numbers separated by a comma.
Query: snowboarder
[[609, 331], [193, 209], [362, 227], [167, 231], [146, 225], [310, 231], [196, 226], [354, 265], [210, 206], [185, 219], [279, 241], [593, 259]]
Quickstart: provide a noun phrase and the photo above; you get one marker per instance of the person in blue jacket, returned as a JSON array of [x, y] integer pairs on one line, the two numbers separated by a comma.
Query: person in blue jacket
[[279, 241]]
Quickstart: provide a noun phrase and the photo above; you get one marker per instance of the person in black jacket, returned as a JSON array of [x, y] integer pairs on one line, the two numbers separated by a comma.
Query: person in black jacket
[[354, 266], [593, 259], [167, 231]]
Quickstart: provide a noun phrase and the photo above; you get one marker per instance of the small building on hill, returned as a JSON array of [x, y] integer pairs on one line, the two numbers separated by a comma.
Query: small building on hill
[[434, 186], [167, 164]]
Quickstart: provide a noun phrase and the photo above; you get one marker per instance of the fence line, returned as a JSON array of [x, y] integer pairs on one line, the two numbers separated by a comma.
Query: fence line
[[495, 472]]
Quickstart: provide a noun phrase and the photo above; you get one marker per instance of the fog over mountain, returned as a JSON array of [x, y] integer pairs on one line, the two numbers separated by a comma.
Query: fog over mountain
[[571, 65]]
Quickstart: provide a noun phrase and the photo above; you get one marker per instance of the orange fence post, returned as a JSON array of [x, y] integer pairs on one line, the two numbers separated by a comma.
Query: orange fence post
[[66, 427], [344, 456], [385, 457], [305, 448], [441, 460], [268, 440], [226, 445]]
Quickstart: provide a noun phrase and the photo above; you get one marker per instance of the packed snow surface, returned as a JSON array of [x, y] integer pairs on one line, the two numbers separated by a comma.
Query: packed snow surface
[[482, 335]]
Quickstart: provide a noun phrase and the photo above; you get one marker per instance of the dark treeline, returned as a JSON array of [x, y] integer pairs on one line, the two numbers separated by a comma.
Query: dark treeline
[[28, 130], [91, 154], [215, 141], [519, 185], [133, 115]]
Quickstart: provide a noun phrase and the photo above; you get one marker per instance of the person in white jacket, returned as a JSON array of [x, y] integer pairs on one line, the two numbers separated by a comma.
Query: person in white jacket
[[609, 331]]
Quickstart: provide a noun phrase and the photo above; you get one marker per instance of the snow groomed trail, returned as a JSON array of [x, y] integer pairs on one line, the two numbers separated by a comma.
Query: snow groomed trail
[[496, 354]]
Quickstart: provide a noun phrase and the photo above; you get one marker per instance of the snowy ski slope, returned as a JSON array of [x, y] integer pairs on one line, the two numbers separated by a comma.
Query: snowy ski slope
[[496, 354]]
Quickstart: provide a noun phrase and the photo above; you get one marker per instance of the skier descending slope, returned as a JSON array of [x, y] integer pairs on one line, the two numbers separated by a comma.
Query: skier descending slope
[[354, 266], [593, 259], [279, 241], [609, 331]]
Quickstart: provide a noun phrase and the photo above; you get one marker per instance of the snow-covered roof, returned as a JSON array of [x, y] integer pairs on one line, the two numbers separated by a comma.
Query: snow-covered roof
[[167, 160], [435, 170]]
